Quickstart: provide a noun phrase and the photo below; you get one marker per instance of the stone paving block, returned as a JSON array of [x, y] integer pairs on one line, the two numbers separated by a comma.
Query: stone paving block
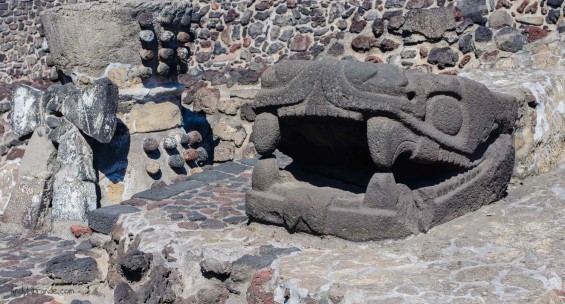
[[248, 161], [231, 168], [160, 193], [102, 219], [210, 176]]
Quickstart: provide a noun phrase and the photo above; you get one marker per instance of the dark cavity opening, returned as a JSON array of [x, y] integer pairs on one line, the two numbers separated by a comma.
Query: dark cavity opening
[[417, 175], [328, 151]]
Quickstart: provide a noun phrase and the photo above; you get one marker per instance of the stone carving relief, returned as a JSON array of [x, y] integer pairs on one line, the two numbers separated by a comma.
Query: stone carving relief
[[377, 152]]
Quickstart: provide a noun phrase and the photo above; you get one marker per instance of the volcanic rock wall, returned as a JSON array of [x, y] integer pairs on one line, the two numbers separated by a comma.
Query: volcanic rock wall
[[231, 43]]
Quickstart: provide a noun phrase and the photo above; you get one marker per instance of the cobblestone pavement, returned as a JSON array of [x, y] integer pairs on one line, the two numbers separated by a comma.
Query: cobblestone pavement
[[508, 252]]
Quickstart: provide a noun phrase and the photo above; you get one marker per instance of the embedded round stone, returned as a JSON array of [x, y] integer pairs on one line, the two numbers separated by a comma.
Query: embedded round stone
[[194, 138], [147, 36], [190, 155], [166, 53], [167, 37], [163, 68], [144, 72], [183, 37], [176, 161], [145, 20], [186, 19], [266, 133], [150, 144], [167, 17], [152, 167], [169, 143], [202, 154], [146, 55], [181, 138], [183, 53]]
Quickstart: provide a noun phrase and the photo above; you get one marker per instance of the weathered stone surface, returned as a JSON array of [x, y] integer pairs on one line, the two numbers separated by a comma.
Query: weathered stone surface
[[26, 110], [500, 19], [443, 57], [74, 192], [124, 294], [92, 109], [509, 39], [68, 269], [381, 191], [206, 100], [102, 219], [134, 265], [431, 23], [142, 117], [33, 192], [473, 10], [224, 151], [483, 34], [95, 33]]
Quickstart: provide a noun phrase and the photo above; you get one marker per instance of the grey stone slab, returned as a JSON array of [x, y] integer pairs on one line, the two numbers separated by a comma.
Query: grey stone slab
[[231, 168], [210, 176], [169, 190], [102, 219]]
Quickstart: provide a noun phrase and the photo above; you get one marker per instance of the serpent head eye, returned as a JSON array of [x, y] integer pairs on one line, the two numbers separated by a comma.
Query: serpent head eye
[[445, 114]]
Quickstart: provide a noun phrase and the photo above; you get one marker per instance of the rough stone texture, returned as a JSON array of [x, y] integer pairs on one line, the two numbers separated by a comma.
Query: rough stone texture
[[92, 109], [102, 219], [26, 110], [539, 141], [395, 201], [74, 190], [90, 45], [509, 39], [68, 269], [142, 118], [443, 57], [431, 23], [33, 192], [505, 252]]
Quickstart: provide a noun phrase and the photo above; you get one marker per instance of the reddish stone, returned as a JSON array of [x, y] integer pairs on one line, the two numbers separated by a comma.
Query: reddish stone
[[194, 138], [464, 61], [503, 3], [490, 56], [300, 43], [357, 25], [363, 43], [258, 293], [146, 54], [373, 59], [534, 33], [387, 45], [424, 52], [246, 42], [157, 204], [190, 155], [261, 6], [79, 231], [208, 211], [231, 15], [234, 47], [206, 44], [215, 6], [450, 72], [291, 3], [15, 153], [532, 9], [188, 225], [523, 6], [183, 37]]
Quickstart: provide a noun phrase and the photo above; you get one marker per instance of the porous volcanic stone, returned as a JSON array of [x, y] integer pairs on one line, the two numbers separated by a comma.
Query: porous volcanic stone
[[509, 39], [68, 269], [102, 219], [443, 57], [431, 23], [150, 145]]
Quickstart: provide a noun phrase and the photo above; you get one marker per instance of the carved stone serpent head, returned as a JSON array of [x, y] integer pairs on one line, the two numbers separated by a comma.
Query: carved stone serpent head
[[378, 152]]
